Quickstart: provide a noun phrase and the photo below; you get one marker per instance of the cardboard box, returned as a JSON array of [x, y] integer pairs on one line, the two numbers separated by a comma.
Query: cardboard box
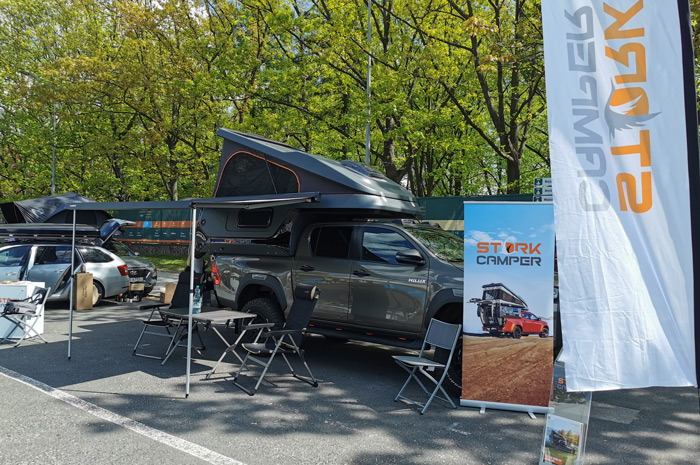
[[83, 291], [166, 296]]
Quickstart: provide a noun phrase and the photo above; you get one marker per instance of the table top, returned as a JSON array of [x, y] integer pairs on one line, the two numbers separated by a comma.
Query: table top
[[218, 316]]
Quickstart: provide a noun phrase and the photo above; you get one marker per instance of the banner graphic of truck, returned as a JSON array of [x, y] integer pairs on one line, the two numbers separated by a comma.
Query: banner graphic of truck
[[503, 313]]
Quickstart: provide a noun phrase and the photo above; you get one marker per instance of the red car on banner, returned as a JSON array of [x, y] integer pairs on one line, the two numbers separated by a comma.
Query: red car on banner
[[504, 313]]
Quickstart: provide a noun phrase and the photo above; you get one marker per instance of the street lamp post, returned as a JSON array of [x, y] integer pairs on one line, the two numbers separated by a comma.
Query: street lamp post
[[53, 150], [53, 135], [369, 81]]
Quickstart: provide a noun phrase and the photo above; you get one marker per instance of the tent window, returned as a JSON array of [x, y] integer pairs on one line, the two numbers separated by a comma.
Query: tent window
[[245, 174], [257, 218]]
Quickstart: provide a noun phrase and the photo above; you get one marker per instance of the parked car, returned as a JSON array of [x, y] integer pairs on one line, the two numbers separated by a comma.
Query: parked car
[[50, 262], [141, 271]]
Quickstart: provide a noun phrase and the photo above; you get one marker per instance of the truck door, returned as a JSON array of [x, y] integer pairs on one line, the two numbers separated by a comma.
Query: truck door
[[530, 323], [13, 261], [49, 264], [323, 260], [384, 293]]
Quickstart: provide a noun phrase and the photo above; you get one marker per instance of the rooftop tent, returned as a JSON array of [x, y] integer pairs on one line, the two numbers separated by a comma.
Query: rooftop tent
[[497, 291], [251, 165], [52, 210]]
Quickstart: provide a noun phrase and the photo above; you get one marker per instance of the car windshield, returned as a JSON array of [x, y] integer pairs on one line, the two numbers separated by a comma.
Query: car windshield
[[119, 248], [446, 246]]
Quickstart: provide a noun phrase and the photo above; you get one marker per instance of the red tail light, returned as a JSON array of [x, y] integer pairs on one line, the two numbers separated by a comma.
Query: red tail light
[[122, 270], [215, 277]]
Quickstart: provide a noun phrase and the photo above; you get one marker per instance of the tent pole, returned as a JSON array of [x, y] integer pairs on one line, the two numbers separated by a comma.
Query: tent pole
[[189, 321], [71, 284]]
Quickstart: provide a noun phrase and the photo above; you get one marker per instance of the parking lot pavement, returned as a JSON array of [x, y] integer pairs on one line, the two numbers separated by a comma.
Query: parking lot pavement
[[107, 406]]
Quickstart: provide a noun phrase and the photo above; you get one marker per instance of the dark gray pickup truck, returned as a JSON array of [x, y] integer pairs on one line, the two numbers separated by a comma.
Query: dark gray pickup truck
[[284, 217], [381, 281]]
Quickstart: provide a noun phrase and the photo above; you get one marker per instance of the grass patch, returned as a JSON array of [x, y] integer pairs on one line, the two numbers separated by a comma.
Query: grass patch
[[167, 262]]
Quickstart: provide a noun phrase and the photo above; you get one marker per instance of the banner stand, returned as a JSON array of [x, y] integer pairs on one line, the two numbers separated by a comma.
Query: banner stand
[[529, 409], [508, 282]]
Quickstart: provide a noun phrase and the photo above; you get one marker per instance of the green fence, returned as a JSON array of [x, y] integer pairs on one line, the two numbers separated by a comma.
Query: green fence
[[448, 212]]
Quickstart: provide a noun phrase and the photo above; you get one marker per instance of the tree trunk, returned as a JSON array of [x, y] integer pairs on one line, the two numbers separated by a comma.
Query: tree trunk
[[513, 175]]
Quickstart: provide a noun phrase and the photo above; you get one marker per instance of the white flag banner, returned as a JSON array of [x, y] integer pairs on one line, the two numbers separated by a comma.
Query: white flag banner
[[619, 152]]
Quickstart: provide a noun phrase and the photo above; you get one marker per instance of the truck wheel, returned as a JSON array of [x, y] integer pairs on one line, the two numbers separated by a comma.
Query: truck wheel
[[453, 380], [517, 332], [545, 332], [266, 309]]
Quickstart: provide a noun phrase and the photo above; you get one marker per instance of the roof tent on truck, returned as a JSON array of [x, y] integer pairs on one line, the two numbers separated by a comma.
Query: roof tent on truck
[[293, 187]]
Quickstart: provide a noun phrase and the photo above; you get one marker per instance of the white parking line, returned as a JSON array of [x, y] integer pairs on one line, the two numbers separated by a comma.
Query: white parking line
[[151, 433]]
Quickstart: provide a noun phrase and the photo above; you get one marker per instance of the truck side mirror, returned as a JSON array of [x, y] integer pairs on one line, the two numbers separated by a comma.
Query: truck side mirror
[[410, 257]]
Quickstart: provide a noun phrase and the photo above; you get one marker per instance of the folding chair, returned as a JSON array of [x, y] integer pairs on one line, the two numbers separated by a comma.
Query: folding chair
[[160, 325], [154, 326], [442, 335], [281, 341], [24, 314]]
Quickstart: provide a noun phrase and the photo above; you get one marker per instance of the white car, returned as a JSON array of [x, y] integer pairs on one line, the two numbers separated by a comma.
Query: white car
[[50, 262]]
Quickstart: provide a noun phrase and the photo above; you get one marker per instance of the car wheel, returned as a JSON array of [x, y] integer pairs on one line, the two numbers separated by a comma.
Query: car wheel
[[545, 332], [517, 332], [266, 309], [453, 380], [98, 293]]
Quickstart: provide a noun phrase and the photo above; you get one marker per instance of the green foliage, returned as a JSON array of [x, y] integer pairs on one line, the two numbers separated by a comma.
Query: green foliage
[[137, 90]]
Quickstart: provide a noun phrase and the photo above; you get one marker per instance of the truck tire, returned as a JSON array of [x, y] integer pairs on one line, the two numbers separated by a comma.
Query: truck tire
[[544, 333], [453, 380], [517, 332], [266, 309]]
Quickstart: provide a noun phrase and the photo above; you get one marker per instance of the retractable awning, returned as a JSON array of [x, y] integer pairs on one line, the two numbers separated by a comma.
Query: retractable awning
[[193, 204]]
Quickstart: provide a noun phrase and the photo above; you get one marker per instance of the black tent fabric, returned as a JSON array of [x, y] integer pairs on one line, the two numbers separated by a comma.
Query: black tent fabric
[[52, 210], [251, 165]]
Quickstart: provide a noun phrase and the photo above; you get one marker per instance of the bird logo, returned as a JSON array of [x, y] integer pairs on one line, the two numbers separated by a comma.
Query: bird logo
[[627, 108]]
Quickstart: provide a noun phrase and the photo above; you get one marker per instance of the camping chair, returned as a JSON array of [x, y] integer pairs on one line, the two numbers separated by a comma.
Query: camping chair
[[160, 325], [281, 341], [24, 314], [444, 336]]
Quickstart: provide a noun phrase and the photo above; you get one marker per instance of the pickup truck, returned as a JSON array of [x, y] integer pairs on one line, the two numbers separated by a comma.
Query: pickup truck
[[504, 313], [381, 281], [281, 217], [526, 323]]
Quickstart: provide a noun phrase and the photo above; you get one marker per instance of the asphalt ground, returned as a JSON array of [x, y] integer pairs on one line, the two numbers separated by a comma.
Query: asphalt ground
[[105, 406]]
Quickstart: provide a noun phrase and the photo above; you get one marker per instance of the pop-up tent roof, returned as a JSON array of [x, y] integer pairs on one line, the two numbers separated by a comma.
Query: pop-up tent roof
[[52, 210], [251, 165], [498, 291]]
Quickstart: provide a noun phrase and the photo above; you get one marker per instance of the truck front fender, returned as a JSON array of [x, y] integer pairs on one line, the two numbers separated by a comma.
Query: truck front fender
[[445, 297], [257, 285]]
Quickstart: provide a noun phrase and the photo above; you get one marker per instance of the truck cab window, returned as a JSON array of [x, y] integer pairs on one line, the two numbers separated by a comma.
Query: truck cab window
[[331, 241], [381, 245]]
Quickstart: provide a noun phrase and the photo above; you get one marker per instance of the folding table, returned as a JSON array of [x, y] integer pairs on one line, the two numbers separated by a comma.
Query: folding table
[[210, 319]]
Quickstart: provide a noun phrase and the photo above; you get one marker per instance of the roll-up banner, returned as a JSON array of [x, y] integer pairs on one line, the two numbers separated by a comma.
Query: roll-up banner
[[508, 306], [624, 153]]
